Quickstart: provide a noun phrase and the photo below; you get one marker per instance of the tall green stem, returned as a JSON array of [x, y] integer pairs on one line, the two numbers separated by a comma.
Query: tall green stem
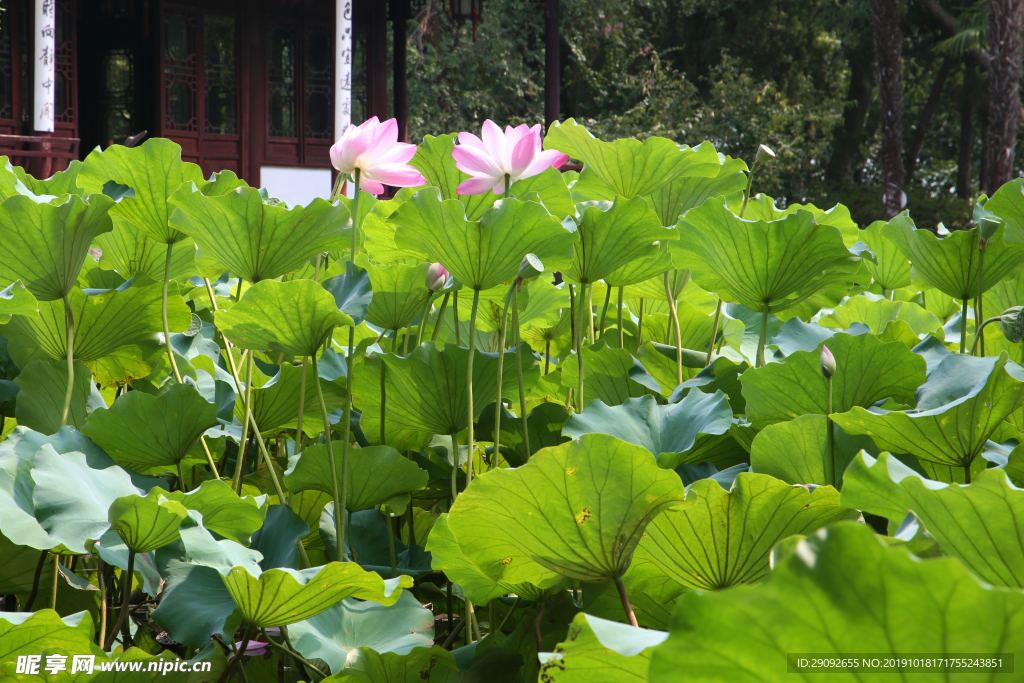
[[455, 313], [239, 466], [763, 338], [746, 192], [340, 491], [302, 406], [469, 380], [391, 540], [963, 326], [53, 587], [163, 312], [978, 315], [519, 371], [70, 319], [455, 468], [579, 349], [501, 367], [355, 217], [640, 326], [714, 332], [440, 316], [508, 184], [675, 322], [619, 321], [590, 315], [604, 311], [126, 592], [829, 463], [423, 321]]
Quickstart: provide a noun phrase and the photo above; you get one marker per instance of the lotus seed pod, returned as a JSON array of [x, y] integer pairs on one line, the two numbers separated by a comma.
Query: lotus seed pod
[[437, 277], [530, 267], [988, 226], [764, 153], [1012, 323], [828, 363]]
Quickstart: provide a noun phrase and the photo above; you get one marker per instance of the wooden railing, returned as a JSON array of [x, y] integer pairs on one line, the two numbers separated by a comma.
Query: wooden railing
[[41, 156]]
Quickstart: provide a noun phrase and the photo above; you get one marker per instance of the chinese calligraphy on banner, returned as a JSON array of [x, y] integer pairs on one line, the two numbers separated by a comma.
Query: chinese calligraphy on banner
[[343, 67], [44, 26]]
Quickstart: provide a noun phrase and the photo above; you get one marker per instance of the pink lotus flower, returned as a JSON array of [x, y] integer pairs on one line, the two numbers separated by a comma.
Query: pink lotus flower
[[516, 153], [374, 149]]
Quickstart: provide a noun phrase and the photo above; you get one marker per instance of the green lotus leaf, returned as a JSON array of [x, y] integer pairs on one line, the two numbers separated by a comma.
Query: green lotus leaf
[[951, 264], [59, 184], [557, 516], [722, 375], [669, 432], [147, 522], [399, 294], [352, 292], [33, 632], [867, 370], [150, 433], [435, 161], [279, 597], [129, 251], [43, 388], [257, 241], [977, 524], [224, 512], [1008, 203], [427, 392], [544, 306], [822, 599], [726, 539], [18, 566], [277, 540], [112, 549], [612, 234], [485, 253], [756, 262], [762, 208], [545, 423], [376, 474], [675, 199], [612, 375], [294, 318], [793, 451], [334, 633], [45, 245], [890, 268], [422, 665], [631, 168], [549, 187], [275, 400], [642, 269], [153, 171], [15, 299], [953, 434], [115, 331], [370, 539], [598, 649], [877, 314]]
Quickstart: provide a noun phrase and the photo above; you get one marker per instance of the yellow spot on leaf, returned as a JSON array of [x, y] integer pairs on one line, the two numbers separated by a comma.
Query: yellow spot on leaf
[[583, 516]]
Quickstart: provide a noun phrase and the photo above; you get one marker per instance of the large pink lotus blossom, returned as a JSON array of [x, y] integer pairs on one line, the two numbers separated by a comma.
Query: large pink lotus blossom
[[516, 153], [374, 149]]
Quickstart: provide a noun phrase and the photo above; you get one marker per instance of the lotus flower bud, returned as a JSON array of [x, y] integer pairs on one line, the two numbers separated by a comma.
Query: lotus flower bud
[[988, 226], [764, 154], [1012, 323], [437, 277], [828, 363], [530, 267]]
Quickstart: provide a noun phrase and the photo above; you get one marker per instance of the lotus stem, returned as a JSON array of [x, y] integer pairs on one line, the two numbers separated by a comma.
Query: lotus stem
[[579, 351], [405, 342], [977, 334], [163, 312], [963, 326], [829, 463], [547, 356], [346, 417], [455, 468], [70, 317], [302, 406], [351, 539], [302, 661], [746, 192], [624, 597], [240, 465], [675, 322], [640, 325], [440, 316], [456, 630], [35, 580], [455, 312], [501, 366], [126, 594], [978, 315], [622, 338], [469, 380], [101, 583], [519, 372], [508, 184], [536, 626], [339, 493], [508, 614], [53, 589], [383, 399], [967, 473], [590, 315], [423, 321], [391, 540], [181, 479], [714, 332], [574, 343], [355, 217], [239, 653], [316, 270], [763, 338], [604, 311]]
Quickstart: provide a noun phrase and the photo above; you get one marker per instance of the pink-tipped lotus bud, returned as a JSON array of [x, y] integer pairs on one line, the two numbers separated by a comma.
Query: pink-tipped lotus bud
[[828, 363], [437, 277], [764, 153]]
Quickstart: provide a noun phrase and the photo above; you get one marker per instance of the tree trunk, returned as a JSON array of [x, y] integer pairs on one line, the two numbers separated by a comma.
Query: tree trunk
[[885, 17], [1004, 35], [848, 139], [966, 156], [925, 120]]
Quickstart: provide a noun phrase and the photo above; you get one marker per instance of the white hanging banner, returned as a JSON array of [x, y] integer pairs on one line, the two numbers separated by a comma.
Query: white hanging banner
[[45, 59], [343, 67]]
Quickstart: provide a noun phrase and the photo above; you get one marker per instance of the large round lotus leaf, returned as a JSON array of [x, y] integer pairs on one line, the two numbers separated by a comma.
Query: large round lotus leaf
[[280, 597], [254, 240], [399, 294], [59, 184], [352, 292], [675, 199], [43, 390], [631, 168], [668, 431], [763, 208], [867, 370], [275, 400], [150, 433], [575, 510], [1008, 203], [294, 318], [147, 522], [115, 331], [224, 512], [757, 262], [793, 451], [44, 631], [45, 245], [612, 375], [153, 171], [422, 665], [350, 624], [597, 649], [979, 524], [952, 434], [15, 299], [435, 161], [726, 538], [129, 251], [951, 264], [375, 474], [878, 314], [889, 268], [840, 592], [642, 269], [485, 253]]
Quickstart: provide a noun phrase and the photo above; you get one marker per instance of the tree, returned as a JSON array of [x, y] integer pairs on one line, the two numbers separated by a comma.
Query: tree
[[1004, 33], [885, 17]]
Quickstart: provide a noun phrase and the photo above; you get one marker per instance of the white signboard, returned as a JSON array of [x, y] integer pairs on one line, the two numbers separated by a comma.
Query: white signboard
[[343, 67], [45, 59]]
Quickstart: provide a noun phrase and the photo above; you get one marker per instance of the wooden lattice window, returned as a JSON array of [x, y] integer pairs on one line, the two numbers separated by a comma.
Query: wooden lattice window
[[300, 80], [181, 71], [64, 68]]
